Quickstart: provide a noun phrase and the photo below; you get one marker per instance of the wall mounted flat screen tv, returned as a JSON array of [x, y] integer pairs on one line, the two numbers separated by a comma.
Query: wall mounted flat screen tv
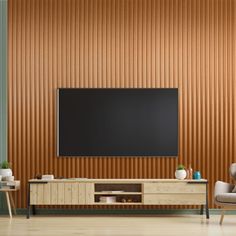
[[117, 122]]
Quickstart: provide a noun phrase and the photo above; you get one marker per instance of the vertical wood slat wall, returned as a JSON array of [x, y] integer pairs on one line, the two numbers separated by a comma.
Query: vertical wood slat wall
[[185, 44]]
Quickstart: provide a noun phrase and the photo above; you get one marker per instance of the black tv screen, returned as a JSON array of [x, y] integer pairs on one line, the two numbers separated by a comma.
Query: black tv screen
[[117, 122]]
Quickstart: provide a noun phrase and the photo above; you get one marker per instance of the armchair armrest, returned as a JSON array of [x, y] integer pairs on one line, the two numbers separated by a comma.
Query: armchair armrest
[[222, 187]]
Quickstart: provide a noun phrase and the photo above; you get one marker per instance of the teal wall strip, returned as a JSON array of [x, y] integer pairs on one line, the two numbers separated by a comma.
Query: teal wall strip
[[3, 84], [3, 80]]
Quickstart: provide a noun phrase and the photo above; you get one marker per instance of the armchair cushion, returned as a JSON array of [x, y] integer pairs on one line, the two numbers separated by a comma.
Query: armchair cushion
[[226, 198], [234, 189], [232, 170], [222, 187]]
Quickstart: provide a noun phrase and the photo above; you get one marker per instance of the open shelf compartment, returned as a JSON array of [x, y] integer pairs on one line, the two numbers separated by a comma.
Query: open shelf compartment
[[131, 188], [120, 193]]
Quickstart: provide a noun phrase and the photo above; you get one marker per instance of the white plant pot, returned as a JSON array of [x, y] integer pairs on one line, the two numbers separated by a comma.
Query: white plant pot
[[5, 172], [180, 174]]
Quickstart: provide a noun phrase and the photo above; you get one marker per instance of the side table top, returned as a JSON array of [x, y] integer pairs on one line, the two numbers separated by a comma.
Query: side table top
[[8, 184]]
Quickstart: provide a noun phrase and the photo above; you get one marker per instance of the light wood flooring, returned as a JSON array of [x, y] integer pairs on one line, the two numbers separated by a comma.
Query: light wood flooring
[[189, 225]]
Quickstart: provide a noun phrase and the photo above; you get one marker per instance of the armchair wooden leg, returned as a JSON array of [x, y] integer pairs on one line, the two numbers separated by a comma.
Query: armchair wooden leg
[[222, 216]]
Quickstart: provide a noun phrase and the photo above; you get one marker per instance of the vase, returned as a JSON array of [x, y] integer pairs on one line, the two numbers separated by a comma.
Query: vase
[[180, 174], [197, 175], [5, 172]]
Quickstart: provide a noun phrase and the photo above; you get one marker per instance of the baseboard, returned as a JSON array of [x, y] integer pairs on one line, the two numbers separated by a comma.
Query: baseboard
[[45, 211]]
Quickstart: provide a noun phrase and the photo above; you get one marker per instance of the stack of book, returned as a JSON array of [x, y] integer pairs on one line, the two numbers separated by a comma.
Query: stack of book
[[9, 184]]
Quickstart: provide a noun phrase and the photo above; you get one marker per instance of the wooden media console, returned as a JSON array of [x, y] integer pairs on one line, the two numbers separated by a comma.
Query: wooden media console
[[118, 192]]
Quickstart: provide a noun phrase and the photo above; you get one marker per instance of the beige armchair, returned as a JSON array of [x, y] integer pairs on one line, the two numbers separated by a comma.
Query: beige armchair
[[224, 197]]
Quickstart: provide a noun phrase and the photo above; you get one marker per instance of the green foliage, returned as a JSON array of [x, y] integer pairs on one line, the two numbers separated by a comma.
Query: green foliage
[[5, 165], [180, 167]]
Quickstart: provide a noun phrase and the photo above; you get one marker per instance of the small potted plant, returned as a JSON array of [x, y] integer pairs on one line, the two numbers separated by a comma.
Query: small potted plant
[[5, 169], [180, 172]]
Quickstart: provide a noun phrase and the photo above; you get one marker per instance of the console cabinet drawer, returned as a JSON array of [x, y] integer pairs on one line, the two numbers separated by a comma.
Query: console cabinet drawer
[[175, 199], [57, 193], [174, 188]]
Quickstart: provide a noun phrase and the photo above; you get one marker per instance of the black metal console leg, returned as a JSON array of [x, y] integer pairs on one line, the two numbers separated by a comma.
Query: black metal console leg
[[207, 207], [201, 210], [33, 210], [207, 212], [28, 212], [28, 202]]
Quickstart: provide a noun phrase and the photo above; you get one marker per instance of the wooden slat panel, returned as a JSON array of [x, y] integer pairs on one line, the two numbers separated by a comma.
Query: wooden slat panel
[[33, 194], [54, 193], [61, 193], [107, 43], [75, 193], [68, 193], [89, 193], [40, 194], [82, 192], [47, 193]]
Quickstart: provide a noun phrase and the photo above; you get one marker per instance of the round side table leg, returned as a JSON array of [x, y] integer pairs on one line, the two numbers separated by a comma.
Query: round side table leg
[[12, 203], [8, 204]]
